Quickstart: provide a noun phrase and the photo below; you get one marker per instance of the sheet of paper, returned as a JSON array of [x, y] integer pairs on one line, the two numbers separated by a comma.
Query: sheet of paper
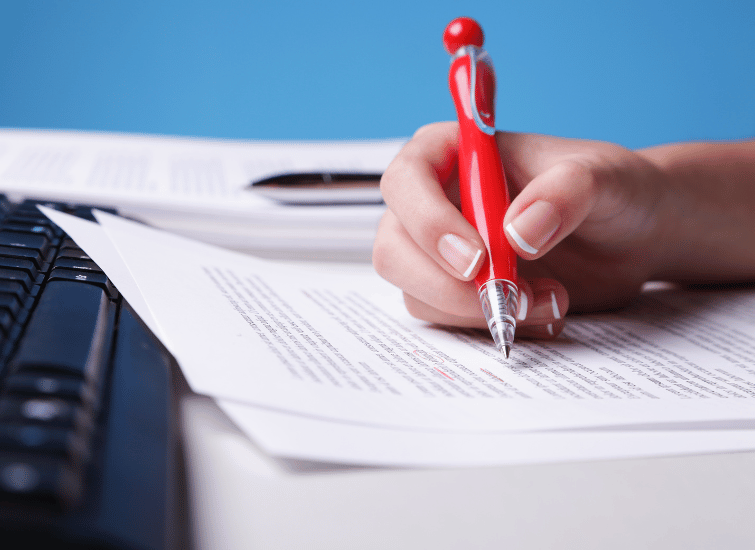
[[296, 436], [169, 172], [196, 187], [92, 238], [339, 346]]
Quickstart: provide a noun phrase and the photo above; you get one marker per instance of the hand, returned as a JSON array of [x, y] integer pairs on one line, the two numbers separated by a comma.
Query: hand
[[588, 220]]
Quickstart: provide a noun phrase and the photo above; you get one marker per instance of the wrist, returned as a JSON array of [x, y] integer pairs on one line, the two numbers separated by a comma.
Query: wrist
[[671, 239], [707, 210]]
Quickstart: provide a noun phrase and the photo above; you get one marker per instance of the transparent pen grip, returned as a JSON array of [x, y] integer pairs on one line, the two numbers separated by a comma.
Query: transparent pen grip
[[500, 302]]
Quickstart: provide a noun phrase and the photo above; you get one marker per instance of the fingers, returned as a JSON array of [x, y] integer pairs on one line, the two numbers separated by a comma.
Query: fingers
[[400, 261], [433, 295], [541, 311], [556, 184], [552, 206], [560, 185], [413, 188], [550, 302], [545, 318], [425, 246]]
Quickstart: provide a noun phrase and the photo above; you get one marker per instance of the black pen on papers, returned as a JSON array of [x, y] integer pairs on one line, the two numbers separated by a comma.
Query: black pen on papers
[[319, 188]]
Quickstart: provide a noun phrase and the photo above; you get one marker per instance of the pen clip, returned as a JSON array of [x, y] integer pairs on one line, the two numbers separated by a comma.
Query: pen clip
[[481, 87]]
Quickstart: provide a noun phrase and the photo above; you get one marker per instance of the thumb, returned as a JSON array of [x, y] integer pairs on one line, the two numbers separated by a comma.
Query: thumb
[[553, 205]]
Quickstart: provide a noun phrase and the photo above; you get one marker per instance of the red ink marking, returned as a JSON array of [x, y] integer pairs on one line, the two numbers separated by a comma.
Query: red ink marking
[[443, 373], [491, 374]]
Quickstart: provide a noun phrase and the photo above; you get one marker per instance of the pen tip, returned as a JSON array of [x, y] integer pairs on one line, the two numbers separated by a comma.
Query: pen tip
[[498, 299]]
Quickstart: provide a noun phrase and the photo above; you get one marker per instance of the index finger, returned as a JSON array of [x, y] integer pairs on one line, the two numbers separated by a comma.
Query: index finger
[[414, 188]]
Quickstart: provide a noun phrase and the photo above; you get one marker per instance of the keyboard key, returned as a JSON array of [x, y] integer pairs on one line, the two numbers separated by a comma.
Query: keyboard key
[[26, 216], [30, 218], [30, 254], [69, 388], [9, 303], [17, 275], [84, 212], [26, 240], [73, 252], [30, 205], [48, 480], [94, 278], [13, 287], [51, 441], [25, 265], [55, 413], [68, 242], [69, 331], [29, 228], [84, 265]]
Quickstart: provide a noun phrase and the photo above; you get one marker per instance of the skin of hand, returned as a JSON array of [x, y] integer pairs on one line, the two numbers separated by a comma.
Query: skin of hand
[[591, 222]]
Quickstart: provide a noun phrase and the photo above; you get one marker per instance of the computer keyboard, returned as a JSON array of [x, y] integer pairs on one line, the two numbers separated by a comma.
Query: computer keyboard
[[90, 453]]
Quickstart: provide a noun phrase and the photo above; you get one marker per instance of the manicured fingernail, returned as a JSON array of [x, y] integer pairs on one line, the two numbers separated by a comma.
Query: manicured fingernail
[[462, 255], [554, 305], [522, 313], [545, 306], [532, 228]]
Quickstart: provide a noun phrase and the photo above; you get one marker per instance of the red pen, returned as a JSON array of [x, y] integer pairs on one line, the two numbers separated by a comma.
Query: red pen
[[482, 183]]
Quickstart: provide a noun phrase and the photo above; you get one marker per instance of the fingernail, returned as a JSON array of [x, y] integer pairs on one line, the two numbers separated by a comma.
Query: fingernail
[[554, 306], [532, 228], [462, 255], [522, 313], [545, 306]]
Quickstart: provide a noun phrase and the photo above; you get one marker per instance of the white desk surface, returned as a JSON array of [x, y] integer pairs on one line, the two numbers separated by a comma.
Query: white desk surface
[[243, 499]]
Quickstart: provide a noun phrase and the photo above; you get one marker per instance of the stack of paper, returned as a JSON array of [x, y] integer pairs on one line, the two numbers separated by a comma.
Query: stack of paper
[[324, 363], [198, 187]]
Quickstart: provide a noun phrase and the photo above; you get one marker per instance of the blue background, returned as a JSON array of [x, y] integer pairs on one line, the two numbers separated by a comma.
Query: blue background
[[637, 73]]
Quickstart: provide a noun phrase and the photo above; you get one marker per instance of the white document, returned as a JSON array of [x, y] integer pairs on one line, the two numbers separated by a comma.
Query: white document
[[95, 242], [301, 437], [342, 441], [198, 187], [339, 346]]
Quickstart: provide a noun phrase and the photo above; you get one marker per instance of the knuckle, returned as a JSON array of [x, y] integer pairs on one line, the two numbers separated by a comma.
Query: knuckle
[[434, 225], [428, 223], [431, 130], [390, 179], [393, 183], [423, 131], [589, 173]]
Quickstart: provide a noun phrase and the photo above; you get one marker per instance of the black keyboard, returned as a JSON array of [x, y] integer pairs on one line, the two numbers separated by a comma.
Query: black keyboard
[[90, 453]]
